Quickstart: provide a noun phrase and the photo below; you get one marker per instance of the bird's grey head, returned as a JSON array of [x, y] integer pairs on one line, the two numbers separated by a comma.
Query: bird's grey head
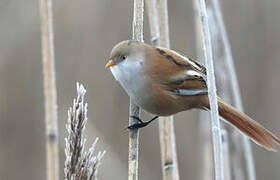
[[128, 50], [127, 56], [126, 61]]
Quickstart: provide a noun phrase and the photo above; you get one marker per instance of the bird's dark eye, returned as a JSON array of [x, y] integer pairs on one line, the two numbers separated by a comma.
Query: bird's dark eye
[[123, 57]]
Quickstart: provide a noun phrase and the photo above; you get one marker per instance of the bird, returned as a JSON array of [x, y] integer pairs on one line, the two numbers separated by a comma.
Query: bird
[[164, 82]]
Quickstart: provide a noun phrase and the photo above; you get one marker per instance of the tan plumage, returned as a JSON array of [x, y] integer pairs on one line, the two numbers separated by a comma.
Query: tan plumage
[[163, 82]]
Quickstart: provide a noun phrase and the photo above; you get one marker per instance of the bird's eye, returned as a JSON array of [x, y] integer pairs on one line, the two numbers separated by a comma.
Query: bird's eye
[[123, 57]]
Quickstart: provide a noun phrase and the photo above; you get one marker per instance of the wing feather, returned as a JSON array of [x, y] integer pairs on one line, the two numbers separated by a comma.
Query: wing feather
[[182, 60], [191, 79]]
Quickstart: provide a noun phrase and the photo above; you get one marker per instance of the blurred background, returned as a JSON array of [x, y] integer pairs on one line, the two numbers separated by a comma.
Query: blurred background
[[85, 32]]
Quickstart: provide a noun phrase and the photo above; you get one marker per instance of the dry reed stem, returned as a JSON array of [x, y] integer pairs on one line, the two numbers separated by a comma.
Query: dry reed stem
[[221, 85], [169, 161], [134, 110], [49, 90], [166, 124], [152, 12], [207, 49], [228, 62], [226, 155], [205, 160], [158, 18]]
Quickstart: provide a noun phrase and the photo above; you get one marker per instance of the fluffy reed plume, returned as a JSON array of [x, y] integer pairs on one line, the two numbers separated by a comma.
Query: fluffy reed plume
[[79, 164]]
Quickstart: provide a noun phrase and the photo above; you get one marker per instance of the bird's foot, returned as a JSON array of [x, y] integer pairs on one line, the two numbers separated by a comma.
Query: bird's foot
[[140, 123]]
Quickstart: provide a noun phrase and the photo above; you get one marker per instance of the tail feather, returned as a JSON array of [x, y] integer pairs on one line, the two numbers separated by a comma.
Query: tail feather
[[247, 125]]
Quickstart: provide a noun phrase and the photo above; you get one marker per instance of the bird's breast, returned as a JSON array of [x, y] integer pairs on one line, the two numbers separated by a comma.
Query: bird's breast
[[130, 77], [148, 94]]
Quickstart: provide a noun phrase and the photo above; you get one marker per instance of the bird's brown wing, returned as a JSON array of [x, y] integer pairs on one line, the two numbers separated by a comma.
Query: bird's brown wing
[[181, 60], [188, 85], [188, 76]]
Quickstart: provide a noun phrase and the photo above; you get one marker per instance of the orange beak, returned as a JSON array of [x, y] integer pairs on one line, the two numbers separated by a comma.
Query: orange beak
[[110, 63]]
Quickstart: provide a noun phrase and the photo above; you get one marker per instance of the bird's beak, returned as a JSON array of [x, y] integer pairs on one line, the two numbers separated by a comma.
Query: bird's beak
[[110, 63]]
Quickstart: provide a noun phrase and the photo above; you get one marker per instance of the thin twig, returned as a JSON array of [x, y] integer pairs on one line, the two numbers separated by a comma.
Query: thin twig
[[158, 18], [50, 90], [237, 101], [216, 132], [137, 34]]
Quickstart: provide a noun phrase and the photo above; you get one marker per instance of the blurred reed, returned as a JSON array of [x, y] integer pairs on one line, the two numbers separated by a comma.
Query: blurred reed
[[208, 55], [159, 28], [242, 156], [228, 89], [79, 163], [49, 89]]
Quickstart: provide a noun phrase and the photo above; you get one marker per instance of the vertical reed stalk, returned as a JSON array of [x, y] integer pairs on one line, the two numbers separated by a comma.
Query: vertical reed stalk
[[205, 159], [207, 49], [137, 34], [222, 88], [49, 90], [158, 18], [226, 155], [228, 62]]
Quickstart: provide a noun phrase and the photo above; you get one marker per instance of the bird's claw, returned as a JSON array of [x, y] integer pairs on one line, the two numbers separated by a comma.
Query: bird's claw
[[140, 123]]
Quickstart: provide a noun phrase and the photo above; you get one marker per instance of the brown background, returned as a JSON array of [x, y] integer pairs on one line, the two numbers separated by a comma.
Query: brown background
[[85, 32]]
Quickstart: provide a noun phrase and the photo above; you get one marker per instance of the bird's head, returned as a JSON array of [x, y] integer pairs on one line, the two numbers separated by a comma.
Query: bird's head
[[127, 52], [127, 59]]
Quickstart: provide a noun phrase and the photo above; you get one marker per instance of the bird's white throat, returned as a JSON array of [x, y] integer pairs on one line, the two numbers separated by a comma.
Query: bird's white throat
[[130, 76]]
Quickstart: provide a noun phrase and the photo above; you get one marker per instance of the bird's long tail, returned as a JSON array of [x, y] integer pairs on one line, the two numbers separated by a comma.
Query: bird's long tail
[[247, 125]]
